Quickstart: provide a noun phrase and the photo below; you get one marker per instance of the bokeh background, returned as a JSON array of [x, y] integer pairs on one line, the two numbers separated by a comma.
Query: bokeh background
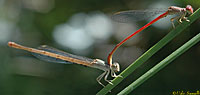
[[83, 27]]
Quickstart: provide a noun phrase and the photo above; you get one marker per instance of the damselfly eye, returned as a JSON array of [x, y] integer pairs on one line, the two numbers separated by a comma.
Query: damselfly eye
[[116, 67], [189, 9]]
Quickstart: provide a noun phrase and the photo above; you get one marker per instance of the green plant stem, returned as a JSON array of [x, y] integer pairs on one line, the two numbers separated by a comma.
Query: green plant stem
[[150, 52], [161, 65]]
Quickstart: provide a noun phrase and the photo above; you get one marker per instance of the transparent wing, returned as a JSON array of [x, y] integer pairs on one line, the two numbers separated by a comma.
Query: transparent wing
[[56, 51], [135, 15]]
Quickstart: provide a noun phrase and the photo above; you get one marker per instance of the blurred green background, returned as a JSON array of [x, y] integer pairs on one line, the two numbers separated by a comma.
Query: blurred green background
[[83, 27]]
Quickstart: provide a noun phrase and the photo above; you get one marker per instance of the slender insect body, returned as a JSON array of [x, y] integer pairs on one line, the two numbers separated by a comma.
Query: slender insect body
[[131, 14], [50, 54]]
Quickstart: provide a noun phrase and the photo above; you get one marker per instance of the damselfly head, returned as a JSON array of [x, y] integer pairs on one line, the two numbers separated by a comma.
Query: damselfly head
[[115, 67], [189, 9]]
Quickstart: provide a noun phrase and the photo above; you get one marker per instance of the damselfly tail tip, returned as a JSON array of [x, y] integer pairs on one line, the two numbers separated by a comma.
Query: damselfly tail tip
[[10, 44]]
